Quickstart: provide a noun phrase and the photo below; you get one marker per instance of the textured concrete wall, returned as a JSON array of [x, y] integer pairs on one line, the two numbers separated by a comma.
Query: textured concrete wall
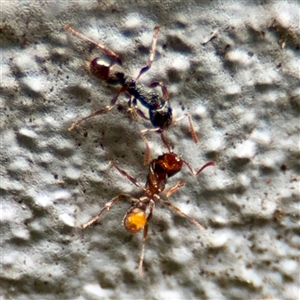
[[242, 89]]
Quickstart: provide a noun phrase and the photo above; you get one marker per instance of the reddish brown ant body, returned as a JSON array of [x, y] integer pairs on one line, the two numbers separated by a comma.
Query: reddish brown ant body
[[138, 216], [111, 71]]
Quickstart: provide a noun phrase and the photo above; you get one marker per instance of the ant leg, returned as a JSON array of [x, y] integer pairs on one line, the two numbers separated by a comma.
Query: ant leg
[[152, 52], [101, 46], [196, 173], [135, 110], [163, 88], [99, 111], [151, 206], [147, 154], [163, 138], [141, 114], [139, 111], [124, 173], [132, 108], [194, 136], [107, 206], [179, 211], [145, 233], [174, 188]]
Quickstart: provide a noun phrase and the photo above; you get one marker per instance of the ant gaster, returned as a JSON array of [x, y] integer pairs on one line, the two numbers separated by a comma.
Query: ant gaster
[[138, 216], [111, 71]]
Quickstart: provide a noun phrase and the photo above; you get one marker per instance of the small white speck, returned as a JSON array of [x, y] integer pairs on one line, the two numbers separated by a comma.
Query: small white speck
[[28, 133], [61, 194], [36, 84], [132, 21], [181, 255], [181, 63], [247, 149], [215, 142], [261, 137], [67, 219], [95, 290], [21, 233], [244, 180], [26, 63], [73, 173], [219, 240], [251, 277], [232, 89], [248, 117], [219, 220], [20, 164], [239, 56], [200, 110]]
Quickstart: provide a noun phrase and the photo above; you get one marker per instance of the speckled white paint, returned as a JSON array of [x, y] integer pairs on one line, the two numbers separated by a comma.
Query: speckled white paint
[[242, 90]]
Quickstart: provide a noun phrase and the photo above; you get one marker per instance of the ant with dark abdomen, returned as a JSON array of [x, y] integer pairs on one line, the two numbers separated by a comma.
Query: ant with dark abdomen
[[138, 216], [160, 111]]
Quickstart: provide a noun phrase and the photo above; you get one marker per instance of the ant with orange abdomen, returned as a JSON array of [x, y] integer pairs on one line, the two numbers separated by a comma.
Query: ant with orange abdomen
[[111, 71], [140, 212]]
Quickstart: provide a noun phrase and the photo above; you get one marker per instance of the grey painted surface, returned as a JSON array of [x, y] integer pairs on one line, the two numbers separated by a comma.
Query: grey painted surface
[[242, 89]]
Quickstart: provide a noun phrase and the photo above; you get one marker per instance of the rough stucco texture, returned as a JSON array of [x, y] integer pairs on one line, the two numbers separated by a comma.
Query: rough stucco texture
[[234, 67]]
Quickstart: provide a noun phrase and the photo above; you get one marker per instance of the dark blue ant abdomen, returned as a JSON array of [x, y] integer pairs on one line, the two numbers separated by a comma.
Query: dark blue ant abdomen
[[161, 117]]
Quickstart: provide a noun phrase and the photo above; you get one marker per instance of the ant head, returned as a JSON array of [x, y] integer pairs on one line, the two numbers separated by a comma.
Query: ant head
[[170, 163], [161, 117], [135, 220], [108, 70]]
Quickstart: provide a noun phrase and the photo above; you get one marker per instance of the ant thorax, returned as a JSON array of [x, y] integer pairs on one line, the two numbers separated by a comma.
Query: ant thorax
[[160, 112], [160, 169]]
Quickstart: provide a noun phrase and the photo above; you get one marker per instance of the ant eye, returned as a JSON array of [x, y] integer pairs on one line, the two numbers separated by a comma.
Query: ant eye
[[135, 220]]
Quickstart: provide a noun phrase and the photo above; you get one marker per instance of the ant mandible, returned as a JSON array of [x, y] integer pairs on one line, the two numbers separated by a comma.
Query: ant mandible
[[111, 71], [138, 216]]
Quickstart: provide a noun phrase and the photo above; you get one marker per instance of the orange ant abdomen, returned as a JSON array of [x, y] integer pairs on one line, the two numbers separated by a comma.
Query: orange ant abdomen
[[135, 220]]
